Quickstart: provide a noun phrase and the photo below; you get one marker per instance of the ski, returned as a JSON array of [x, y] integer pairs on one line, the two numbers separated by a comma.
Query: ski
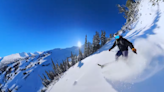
[[101, 65]]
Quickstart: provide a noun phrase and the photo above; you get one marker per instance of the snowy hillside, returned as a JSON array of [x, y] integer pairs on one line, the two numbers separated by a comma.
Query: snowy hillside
[[14, 57], [19, 72], [143, 72]]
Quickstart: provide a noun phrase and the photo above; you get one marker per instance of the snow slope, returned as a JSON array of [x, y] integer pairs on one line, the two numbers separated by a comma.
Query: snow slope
[[143, 72]]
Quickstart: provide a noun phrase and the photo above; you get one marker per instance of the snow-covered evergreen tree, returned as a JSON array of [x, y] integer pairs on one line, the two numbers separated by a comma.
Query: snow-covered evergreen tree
[[96, 41], [86, 48], [73, 59], [76, 59], [80, 55], [52, 73], [124, 10], [111, 35], [89, 48], [54, 67], [103, 38], [68, 64], [59, 71], [44, 76], [65, 66], [61, 67], [45, 81], [39, 76], [97, 38], [49, 76]]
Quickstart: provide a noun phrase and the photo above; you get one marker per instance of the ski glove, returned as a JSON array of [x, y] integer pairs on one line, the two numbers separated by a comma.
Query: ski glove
[[134, 50]]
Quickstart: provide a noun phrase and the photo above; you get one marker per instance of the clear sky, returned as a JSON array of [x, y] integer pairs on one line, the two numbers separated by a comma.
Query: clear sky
[[39, 25]]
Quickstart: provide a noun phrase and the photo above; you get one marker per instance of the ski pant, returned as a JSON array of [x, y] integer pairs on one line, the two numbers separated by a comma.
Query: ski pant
[[123, 53]]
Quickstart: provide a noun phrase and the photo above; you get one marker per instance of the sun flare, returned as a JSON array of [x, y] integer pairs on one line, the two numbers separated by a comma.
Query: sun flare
[[79, 44]]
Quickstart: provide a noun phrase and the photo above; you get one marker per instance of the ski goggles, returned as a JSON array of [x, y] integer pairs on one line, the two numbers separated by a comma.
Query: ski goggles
[[117, 37]]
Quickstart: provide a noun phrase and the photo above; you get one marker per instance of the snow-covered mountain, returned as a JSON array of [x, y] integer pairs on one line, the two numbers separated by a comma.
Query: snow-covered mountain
[[19, 72], [143, 72]]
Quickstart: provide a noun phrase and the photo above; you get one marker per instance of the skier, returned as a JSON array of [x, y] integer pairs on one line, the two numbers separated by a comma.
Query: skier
[[122, 44]]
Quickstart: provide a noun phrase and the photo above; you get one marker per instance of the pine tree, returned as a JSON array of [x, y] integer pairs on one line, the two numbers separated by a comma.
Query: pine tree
[[61, 67], [40, 77], [96, 41], [86, 48], [54, 66], [68, 64], [124, 10], [71, 55], [44, 76], [94, 44], [80, 55], [103, 38], [59, 71], [72, 59], [111, 35], [52, 74], [64, 66], [76, 59], [89, 48], [46, 82], [49, 76]]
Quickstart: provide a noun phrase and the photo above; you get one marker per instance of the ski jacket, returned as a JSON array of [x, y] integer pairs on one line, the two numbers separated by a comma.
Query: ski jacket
[[122, 44]]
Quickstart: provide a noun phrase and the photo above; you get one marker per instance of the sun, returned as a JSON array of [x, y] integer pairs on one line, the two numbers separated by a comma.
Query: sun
[[79, 44]]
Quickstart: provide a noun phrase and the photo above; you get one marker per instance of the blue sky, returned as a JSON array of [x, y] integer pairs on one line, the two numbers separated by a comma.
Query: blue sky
[[39, 25]]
